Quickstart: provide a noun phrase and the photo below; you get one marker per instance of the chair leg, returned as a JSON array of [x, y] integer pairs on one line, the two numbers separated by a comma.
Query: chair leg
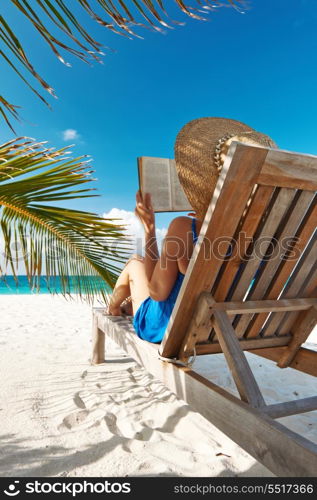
[[242, 374], [98, 344]]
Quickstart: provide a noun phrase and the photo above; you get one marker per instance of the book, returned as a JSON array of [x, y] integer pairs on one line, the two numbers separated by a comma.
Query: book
[[158, 177]]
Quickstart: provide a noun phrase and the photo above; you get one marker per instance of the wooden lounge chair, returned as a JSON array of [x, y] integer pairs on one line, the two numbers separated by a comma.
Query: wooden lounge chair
[[259, 296]]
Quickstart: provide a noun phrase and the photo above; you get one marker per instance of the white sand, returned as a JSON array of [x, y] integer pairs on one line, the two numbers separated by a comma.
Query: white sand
[[61, 417]]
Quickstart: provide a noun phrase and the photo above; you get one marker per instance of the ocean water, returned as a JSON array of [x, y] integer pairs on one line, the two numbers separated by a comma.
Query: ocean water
[[9, 285]]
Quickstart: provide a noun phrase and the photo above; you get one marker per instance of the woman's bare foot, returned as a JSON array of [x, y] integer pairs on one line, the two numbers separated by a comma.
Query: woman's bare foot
[[126, 307], [114, 310]]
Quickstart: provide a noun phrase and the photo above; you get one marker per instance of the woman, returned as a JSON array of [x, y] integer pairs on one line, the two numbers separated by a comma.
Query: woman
[[153, 282]]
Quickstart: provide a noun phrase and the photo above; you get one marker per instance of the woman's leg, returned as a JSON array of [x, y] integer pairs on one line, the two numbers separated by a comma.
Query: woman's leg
[[132, 281]]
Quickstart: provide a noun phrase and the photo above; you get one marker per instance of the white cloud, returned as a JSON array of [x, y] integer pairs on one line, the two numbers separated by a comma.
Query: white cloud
[[134, 228], [160, 235], [70, 134]]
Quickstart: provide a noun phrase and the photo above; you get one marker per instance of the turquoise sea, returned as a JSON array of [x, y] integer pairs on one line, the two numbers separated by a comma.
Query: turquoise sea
[[10, 286]]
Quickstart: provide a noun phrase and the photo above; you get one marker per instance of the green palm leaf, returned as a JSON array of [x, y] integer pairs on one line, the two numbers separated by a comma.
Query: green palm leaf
[[69, 246], [50, 16]]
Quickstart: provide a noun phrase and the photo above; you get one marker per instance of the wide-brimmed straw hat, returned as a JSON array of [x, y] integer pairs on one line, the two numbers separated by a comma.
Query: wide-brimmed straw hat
[[200, 149]]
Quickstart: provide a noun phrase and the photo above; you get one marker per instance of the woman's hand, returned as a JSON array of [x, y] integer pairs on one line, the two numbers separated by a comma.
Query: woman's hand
[[144, 211]]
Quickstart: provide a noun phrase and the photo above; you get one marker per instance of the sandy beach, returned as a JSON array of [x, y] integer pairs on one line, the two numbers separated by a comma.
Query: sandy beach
[[62, 417]]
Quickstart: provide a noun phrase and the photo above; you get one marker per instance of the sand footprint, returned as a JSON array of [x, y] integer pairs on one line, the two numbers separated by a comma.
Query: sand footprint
[[111, 422], [85, 400], [81, 420], [126, 428], [74, 419]]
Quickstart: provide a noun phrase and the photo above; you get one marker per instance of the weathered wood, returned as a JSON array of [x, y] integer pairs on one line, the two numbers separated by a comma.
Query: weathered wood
[[291, 170], [282, 451], [250, 306], [291, 407], [261, 245], [253, 222], [243, 240], [231, 194], [98, 343], [246, 345], [309, 289], [287, 232], [286, 267], [301, 329], [304, 361], [199, 326], [294, 285], [237, 362]]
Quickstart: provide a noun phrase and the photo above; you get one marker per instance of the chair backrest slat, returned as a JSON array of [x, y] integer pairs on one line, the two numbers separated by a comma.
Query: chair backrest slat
[[285, 267], [262, 243], [240, 246], [292, 170], [308, 291], [277, 249], [293, 288]]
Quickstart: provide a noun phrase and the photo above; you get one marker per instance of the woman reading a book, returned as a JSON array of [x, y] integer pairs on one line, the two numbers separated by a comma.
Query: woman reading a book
[[154, 281]]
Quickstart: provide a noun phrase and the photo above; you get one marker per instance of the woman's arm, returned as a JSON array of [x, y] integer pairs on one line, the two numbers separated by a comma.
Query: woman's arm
[[144, 211], [151, 254], [166, 269], [161, 271]]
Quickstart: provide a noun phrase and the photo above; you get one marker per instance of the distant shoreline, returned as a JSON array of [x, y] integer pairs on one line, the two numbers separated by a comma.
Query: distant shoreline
[[9, 285]]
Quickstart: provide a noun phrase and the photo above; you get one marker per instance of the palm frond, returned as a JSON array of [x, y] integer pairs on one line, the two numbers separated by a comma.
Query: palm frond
[[48, 16], [68, 246], [8, 110]]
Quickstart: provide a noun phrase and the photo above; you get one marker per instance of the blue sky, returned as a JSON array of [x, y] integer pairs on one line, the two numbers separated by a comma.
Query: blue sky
[[258, 67]]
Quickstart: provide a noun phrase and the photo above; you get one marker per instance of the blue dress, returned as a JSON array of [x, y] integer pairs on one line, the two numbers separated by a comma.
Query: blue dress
[[150, 320]]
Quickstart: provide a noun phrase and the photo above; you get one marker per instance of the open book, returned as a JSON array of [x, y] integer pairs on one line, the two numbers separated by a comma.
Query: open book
[[158, 177]]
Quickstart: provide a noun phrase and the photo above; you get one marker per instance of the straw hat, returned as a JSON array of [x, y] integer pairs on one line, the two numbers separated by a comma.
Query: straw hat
[[200, 149]]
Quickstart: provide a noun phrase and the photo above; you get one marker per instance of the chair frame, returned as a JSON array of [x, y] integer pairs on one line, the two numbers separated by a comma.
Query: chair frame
[[249, 421]]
